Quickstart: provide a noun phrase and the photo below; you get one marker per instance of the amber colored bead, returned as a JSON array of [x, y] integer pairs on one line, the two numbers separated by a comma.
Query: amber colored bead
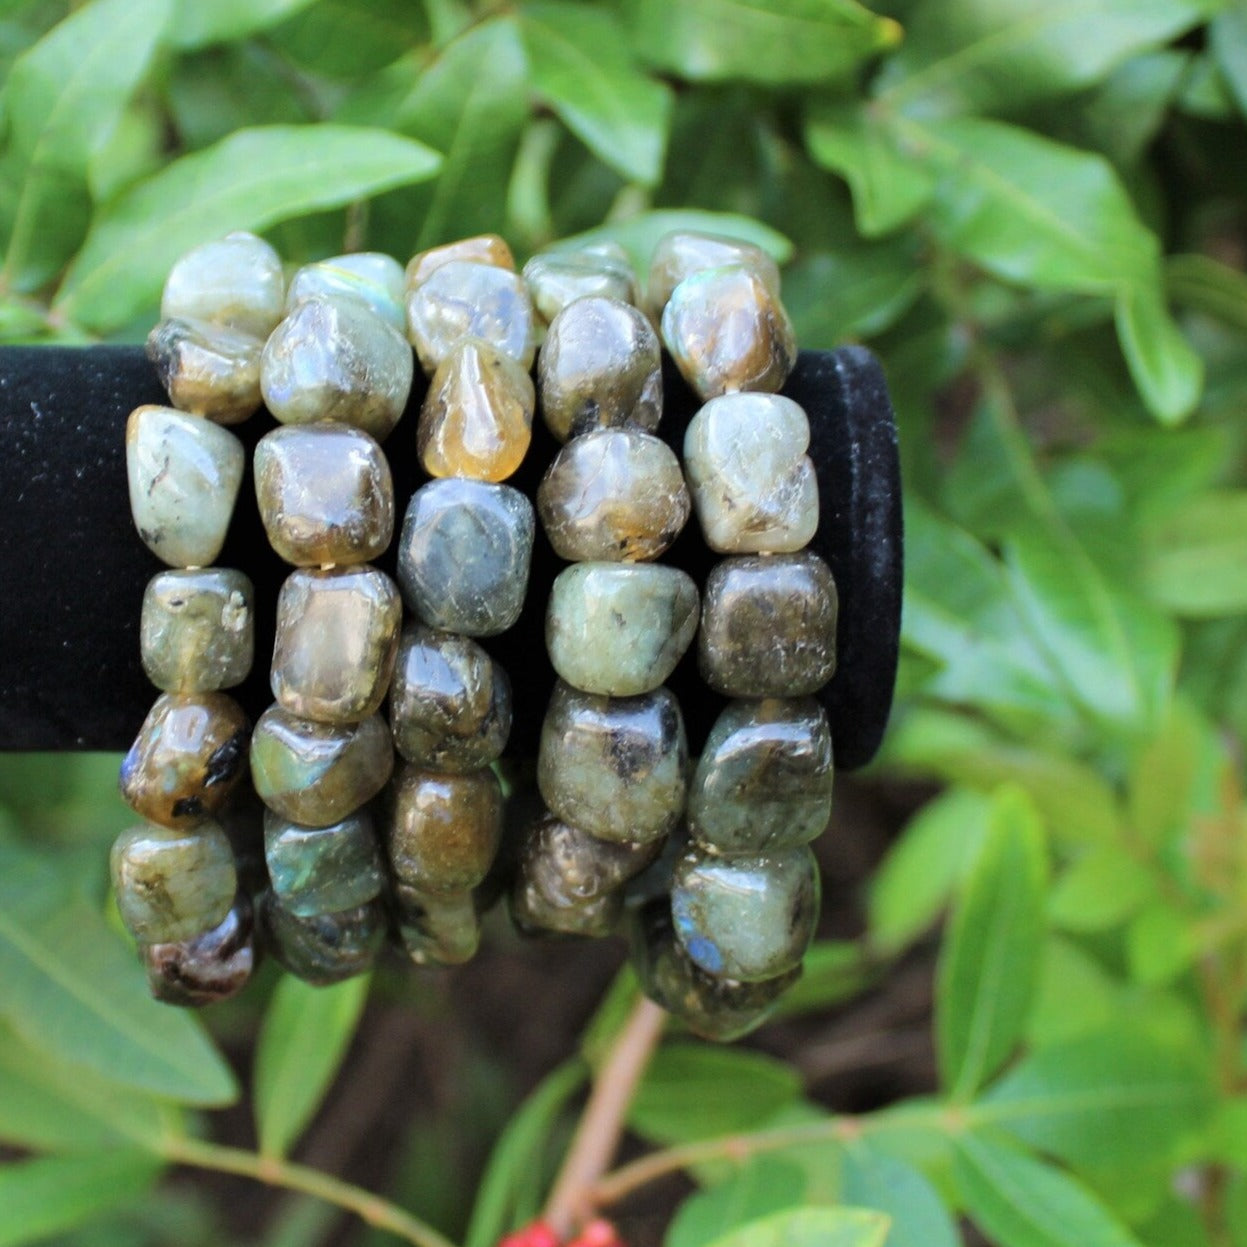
[[682, 253], [482, 249], [211, 370]]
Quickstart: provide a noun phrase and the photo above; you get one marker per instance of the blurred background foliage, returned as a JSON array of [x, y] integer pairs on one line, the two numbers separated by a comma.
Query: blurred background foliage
[[1034, 211]]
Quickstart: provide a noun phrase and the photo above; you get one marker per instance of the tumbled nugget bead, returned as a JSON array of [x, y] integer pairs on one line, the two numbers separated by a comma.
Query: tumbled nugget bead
[[236, 281], [533, 912], [746, 917], [600, 366], [614, 766], [726, 331], [325, 948], [464, 555], [210, 370], [322, 870], [764, 779], [477, 417], [753, 485], [768, 626], [318, 773], [620, 628], [204, 969], [172, 885], [568, 866], [325, 494], [437, 928], [450, 703], [373, 278], [184, 473], [335, 359], [557, 278], [684, 252], [186, 759], [196, 630], [337, 634], [482, 249]]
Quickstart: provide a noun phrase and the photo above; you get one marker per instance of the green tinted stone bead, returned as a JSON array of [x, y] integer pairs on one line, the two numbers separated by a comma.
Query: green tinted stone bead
[[172, 885], [620, 628], [325, 948], [207, 968], [197, 628], [376, 280], [318, 773], [568, 866], [334, 359], [768, 626], [325, 494], [437, 928], [684, 252], [764, 778], [534, 913], [753, 485], [337, 634], [481, 249], [600, 366], [557, 278], [207, 369], [445, 829], [614, 766], [322, 870], [450, 703], [727, 331], [186, 759], [612, 495], [236, 281], [746, 917], [184, 474], [465, 299], [464, 555]]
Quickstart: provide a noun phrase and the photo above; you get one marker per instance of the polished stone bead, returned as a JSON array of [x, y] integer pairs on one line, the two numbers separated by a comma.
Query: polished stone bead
[[450, 703], [207, 968], [445, 829], [620, 628], [325, 494], [210, 370], [322, 870], [337, 634], [534, 913], [482, 249], [464, 554], [764, 778], [334, 359], [477, 418], [768, 626], [569, 866], [614, 766], [613, 494], [557, 278], [376, 280], [318, 773], [753, 485], [684, 252], [437, 928], [197, 630], [748, 917], [184, 473], [600, 366], [726, 331], [464, 299], [325, 948], [236, 281], [172, 885], [186, 759]]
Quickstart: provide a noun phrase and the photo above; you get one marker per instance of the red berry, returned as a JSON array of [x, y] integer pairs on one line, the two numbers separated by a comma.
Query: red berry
[[598, 1233], [538, 1234]]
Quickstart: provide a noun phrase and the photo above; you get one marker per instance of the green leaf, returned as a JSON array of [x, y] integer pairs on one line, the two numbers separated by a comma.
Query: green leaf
[[1228, 36], [1160, 943], [1206, 285], [350, 38], [990, 960], [1196, 556], [833, 971], [811, 1227], [1164, 365], [305, 1035], [248, 181], [1100, 890], [765, 1185], [872, 1179], [223, 21], [579, 63]]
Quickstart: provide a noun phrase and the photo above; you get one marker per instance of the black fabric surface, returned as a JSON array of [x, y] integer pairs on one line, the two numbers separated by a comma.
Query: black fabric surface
[[72, 569]]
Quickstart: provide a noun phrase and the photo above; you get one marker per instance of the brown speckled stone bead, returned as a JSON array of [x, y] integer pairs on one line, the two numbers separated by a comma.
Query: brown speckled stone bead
[[482, 249], [326, 948], [211, 370], [207, 968], [534, 913], [437, 928], [684, 252], [568, 866]]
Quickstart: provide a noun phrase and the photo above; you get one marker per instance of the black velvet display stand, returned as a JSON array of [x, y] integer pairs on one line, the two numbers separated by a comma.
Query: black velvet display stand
[[72, 568]]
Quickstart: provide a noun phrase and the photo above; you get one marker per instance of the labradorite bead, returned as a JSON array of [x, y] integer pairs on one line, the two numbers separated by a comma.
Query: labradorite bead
[[601, 365], [620, 628], [477, 418], [318, 773], [568, 866], [376, 280], [445, 829], [325, 948], [236, 281], [749, 916], [614, 766], [197, 628], [207, 968], [442, 929], [464, 554], [450, 703], [613, 494], [681, 254], [210, 370], [186, 759], [465, 299], [753, 485], [764, 778], [334, 359], [557, 278], [325, 494], [533, 912], [337, 634], [727, 331], [322, 870], [482, 249], [184, 473], [172, 885], [768, 626]]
